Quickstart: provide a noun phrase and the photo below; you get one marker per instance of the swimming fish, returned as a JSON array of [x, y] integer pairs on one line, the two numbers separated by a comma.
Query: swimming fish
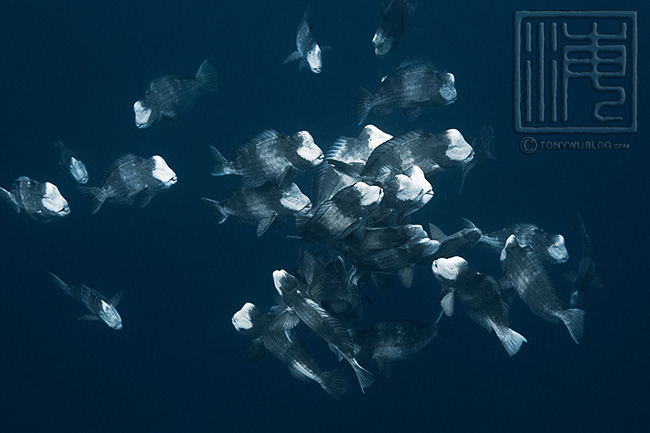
[[396, 16], [526, 273], [101, 308], [261, 206], [480, 294], [412, 87], [129, 177], [41, 201], [307, 50], [72, 163], [270, 157], [287, 347], [170, 94], [585, 279]]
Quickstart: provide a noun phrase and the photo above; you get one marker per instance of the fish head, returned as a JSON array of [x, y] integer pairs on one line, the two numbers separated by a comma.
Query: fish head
[[54, 202], [109, 315], [374, 136], [308, 150], [78, 170], [511, 242], [449, 269], [557, 250], [448, 89], [417, 175], [407, 190], [369, 195], [382, 42], [162, 172], [314, 59], [244, 320], [142, 115], [458, 149], [284, 282], [294, 200]]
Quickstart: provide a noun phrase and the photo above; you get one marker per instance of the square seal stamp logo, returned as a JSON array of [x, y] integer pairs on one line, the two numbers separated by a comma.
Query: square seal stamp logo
[[575, 71]]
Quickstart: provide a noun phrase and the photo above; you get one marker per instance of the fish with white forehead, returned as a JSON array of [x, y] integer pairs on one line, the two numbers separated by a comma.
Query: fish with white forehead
[[396, 16], [307, 50], [41, 201], [129, 178], [72, 163]]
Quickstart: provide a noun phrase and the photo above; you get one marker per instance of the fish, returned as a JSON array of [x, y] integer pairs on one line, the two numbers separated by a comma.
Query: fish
[[482, 146], [430, 152], [344, 213], [480, 294], [584, 280], [404, 194], [412, 87], [168, 95], [299, 307], [550, 248], [131, 176], [307, 50], [525, 272], [288, 348], [100, 307], [455, 243], [396, 16], [393, 340], [72, 163], [41, 201], [270, 157], [260, 206]]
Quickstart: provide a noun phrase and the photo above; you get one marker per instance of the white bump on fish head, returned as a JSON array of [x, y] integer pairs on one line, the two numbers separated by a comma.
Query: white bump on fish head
[[162, 172], [407, 190], [109, 315], [314, 59], [370, 195], [510, 241], [558, 250], [54, 201], [278, 276], [142, 115], [78, 170], [375, 136], [417, 175], [308, 150], [382, 43], [294, 200], [242, 319], [458, 149], [449, 268], [448, 90]]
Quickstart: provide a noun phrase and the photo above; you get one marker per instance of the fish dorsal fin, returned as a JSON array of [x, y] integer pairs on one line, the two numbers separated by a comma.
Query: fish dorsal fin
[[338, 148], [128, 158], [116, 299], [447, 301], [254, 143], [436, 233], [292, 57], [417, 63]]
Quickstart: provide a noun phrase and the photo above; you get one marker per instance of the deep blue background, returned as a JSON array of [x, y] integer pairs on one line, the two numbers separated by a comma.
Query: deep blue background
[[72, 72]]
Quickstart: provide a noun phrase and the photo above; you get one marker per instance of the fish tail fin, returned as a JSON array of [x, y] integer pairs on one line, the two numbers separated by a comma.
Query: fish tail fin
[[9, 198], [95, 197], [216, 209], [362, 105], [206, 77], [334, 383], [364, 377], [574, 320], [510, 339], [221, 165], [63, 286]]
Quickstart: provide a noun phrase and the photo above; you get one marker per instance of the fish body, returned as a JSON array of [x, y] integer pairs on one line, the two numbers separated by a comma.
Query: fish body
[[412, 87], [72, 163], [396, 16], [307, 50], [301, 307], [393, 340], [336, 218], [430, 152], [287, 347], [526, 273], [129, 177], [270, 157], [480, 294], [100, 307], [41, 201], [168, 95], [261, 206], [585, 279]]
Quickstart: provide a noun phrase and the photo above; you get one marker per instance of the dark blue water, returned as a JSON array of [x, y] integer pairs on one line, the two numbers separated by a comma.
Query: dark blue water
[[72, 72]]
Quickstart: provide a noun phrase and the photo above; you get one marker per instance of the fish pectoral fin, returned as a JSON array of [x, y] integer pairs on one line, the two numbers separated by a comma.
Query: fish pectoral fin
[[146, 196], [292, 57], [406, 276], [285, 320], [88, 317], [264, 224], [116, 299], [412, 113], [447, 302], [302, 64]]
